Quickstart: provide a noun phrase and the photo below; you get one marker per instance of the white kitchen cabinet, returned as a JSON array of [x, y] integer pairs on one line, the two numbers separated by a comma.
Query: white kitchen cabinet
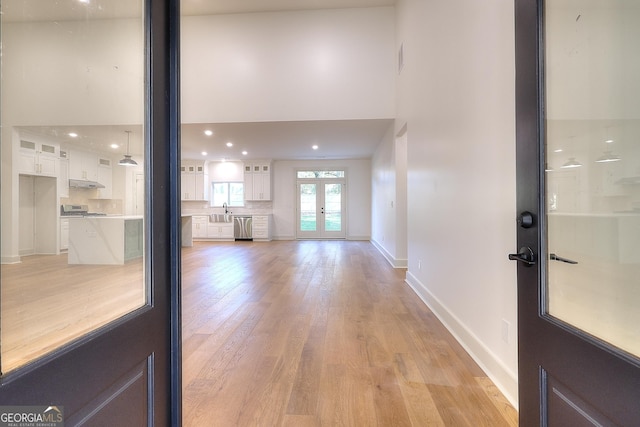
[[105, 177], [261, 227], [220, 230], [194, 184], [199, 224], [63, 175], [64, 234], [257, 181], [38, 158], [83, 165]]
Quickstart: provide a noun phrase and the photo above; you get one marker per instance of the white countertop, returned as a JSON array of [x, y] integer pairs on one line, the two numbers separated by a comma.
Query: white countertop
[[104, 217]]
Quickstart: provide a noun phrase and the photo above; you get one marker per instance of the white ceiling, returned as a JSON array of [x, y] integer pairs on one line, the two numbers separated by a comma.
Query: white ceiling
[[275, 140], [343, 139]]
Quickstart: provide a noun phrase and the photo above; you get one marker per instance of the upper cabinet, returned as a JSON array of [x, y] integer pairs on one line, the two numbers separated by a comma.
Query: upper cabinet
[[257, 180], [194, 177], [63, 175], [38, 158], [105, 177], [83, 165]]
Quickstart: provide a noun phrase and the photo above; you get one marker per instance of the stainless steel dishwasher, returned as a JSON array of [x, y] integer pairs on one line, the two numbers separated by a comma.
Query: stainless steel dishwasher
[[242, 227]]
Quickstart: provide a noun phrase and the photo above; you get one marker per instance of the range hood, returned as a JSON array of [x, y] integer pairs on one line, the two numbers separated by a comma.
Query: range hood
[[78, 183]]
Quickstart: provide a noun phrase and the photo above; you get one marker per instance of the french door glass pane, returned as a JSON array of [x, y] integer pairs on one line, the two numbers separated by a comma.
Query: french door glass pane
[[592, 173], [308, 209], [72, 87], [333, 207]]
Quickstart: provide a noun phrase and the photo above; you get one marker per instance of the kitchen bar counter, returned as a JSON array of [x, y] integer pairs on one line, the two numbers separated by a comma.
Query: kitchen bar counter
[[105, 239]]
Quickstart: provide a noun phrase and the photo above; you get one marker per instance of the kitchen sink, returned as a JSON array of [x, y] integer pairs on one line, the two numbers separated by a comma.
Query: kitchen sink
[[220, 218]]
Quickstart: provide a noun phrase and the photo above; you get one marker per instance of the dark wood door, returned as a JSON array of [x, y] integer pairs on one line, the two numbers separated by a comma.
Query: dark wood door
[[578, 225], [125, 372]]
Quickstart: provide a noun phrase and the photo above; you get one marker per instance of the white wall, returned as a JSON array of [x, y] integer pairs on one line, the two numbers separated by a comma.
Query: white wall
[[303, 65], [225, 171], [358, 195], [92, 68], [389, 203], [456, 97]]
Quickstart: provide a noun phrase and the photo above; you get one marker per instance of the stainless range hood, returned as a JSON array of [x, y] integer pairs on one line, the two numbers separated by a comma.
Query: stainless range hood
[[78, 183]]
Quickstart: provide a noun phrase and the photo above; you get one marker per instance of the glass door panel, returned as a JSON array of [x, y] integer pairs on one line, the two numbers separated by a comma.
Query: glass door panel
[[333, 213], [321, 213], [72, 231], [307, 209], [593, 169]]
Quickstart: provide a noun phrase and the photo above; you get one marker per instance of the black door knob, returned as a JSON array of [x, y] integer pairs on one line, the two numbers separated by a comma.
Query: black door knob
[[525, 255], [526, 219]]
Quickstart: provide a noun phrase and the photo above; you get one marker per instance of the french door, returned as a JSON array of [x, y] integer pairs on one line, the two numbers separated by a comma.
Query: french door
[[93, 343], [578, 201], [321, 209]]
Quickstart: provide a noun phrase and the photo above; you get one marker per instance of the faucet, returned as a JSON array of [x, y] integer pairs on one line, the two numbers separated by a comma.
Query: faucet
[[224, 205]]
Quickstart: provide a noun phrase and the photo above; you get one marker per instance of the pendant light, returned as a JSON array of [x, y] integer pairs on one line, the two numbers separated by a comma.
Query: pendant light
[[571, 163], [607, 157], [128, 161]]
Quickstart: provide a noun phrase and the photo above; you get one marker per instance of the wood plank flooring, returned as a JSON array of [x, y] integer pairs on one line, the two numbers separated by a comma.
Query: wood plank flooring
[[46, 303], [320, 333]]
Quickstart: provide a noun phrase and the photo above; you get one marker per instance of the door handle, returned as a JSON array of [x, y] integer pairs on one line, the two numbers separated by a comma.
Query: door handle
[[525, 255], [555, 257]]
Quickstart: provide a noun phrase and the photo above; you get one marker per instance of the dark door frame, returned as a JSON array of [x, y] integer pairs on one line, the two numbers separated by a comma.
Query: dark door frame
[[47, 380], [607, 379]]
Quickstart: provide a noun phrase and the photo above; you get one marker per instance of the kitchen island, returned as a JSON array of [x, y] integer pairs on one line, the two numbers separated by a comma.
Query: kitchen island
[[105, 239]]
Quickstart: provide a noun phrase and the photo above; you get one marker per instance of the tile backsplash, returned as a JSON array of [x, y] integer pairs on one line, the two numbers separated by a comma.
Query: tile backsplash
[[84, 196]]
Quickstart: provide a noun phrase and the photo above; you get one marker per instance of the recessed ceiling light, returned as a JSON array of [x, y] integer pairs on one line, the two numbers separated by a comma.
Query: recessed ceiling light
[[84, 1], [208, 132], [244, 153], [609, 141], [73, 134], [558, 150], [114, 146], [229, 144], [204, 153], [315, 147]]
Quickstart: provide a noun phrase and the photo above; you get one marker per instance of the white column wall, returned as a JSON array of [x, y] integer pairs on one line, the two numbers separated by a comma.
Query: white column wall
[[456, 97], [389, 203]]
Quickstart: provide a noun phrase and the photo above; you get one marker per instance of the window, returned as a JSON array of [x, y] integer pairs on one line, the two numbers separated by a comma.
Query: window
[[320, 174], [231, 193]]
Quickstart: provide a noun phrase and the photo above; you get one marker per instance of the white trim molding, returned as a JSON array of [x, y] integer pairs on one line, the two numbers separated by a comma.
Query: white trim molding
[[505, 379], [395, 262]]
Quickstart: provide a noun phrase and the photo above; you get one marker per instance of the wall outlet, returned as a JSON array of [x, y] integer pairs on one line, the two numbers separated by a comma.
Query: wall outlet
[[505, 331]]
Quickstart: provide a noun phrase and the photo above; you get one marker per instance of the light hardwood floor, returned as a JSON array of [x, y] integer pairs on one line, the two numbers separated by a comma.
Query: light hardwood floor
[[320, 333], [45, 303]]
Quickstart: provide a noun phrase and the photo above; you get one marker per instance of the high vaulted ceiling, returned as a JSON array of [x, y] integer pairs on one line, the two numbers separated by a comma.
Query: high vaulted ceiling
[[276, 140]]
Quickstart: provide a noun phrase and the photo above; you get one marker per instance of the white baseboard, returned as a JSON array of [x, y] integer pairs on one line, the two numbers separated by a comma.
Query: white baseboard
[[395, 262], [505, 379], [358, 238], [10, 260]]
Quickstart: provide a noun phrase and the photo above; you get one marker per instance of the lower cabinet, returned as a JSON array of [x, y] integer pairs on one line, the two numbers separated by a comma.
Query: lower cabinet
[[203, 229], [220, 230], [199, 224], [261, 227], [64, 234]]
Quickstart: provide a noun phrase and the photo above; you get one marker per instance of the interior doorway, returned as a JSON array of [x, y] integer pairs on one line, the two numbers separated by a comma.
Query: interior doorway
[[38, 215]]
